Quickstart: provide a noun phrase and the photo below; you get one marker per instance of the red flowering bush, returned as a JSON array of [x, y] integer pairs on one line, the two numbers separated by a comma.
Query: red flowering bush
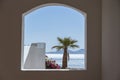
[[51, 64]]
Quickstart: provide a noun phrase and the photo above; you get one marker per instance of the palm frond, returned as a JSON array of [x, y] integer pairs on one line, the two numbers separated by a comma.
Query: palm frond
[[66, 42], [74, 46], [60, 40], [58, 47], [73, 41]]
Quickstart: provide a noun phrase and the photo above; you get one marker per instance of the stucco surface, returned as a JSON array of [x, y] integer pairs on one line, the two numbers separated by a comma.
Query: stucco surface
[[10, 41]]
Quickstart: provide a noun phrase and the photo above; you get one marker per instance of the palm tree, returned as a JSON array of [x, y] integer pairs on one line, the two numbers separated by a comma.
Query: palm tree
[[65, 43]]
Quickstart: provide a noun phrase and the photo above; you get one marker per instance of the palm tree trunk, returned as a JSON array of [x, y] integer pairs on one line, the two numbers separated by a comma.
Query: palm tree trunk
[[64, 61]]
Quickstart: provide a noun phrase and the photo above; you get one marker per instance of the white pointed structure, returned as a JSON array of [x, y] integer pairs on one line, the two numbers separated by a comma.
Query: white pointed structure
[[36, 57]]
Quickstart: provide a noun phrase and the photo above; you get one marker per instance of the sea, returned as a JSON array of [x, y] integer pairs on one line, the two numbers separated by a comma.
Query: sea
[[75, 60]]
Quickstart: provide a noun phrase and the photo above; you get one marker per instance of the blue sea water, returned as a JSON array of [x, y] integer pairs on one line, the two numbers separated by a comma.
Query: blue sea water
[[72, 63], [75, 61]]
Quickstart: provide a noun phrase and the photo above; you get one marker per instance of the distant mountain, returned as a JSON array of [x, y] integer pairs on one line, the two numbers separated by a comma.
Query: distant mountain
[[81, 51]]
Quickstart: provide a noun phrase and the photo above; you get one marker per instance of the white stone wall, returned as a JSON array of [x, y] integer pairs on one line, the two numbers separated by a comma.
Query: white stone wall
[[36, 57]]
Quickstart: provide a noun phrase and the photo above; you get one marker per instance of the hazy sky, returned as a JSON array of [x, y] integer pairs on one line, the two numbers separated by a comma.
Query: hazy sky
[[47, 23]]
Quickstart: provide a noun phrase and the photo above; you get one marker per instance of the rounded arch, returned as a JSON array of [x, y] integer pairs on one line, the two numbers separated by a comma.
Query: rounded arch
[[54, 4]]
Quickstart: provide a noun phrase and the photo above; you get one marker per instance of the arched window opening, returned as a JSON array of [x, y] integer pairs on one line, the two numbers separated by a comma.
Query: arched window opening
[[54, 38]]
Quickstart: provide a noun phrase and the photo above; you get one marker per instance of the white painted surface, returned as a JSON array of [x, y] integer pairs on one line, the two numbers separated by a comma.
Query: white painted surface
[[36, 57], [26, 50]]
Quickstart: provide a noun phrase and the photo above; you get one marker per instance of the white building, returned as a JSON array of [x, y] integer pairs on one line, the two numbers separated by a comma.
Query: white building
[[35, 58]]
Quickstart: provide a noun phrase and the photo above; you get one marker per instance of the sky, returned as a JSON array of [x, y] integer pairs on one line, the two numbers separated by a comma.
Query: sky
[[47, 23]]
